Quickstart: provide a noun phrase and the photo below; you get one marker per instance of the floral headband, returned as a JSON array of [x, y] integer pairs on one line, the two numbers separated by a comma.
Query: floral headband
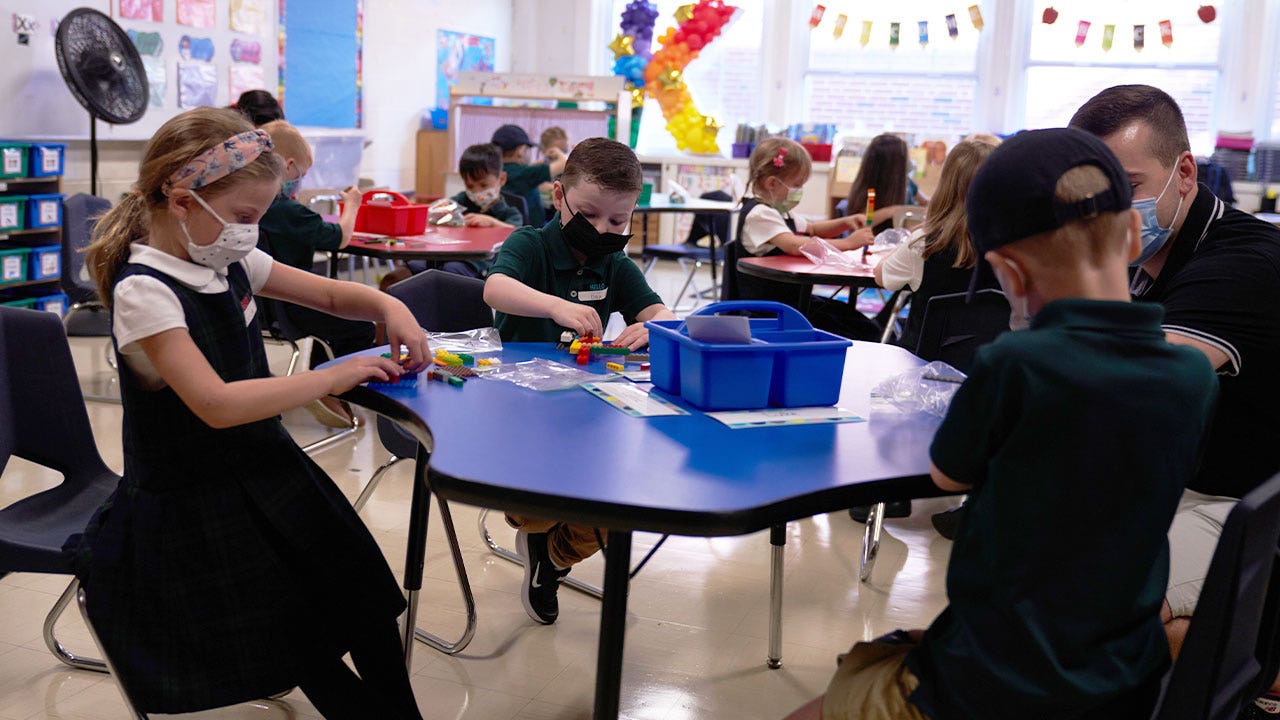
[[781, 159], [219, 161]]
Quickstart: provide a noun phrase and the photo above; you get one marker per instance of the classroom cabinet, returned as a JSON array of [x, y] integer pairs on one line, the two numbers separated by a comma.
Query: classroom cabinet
[[31, 233]]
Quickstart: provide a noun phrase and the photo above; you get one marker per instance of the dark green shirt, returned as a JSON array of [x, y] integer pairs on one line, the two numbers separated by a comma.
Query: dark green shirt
[[523, 180], [1078, 436], [540, 258], [292, 233], [498, 210]]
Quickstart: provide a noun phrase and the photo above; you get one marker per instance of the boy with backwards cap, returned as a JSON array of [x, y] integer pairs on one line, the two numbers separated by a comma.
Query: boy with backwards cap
[[1088, 402]]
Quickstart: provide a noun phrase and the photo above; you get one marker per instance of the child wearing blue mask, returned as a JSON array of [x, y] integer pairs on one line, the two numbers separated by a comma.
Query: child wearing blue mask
[[227, 566], [292, 233], [572, 273]]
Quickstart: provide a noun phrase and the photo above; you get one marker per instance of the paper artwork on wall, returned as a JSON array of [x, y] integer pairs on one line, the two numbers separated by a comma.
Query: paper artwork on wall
[[149, 44], [157, 78], [197, 13], [197, 85], [248, 16], [246, 51], [458, 52], [245, 77], [195, 48], [150, 10]]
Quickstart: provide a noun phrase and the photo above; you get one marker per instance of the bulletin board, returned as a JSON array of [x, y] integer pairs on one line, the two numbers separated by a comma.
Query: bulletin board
[[321, 65], [237, 50]]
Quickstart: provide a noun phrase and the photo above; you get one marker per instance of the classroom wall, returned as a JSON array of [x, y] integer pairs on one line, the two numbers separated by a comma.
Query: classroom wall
[[400, 72]]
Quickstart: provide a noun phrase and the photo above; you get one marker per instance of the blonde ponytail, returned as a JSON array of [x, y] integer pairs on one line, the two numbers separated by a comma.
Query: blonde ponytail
[[115, 230]]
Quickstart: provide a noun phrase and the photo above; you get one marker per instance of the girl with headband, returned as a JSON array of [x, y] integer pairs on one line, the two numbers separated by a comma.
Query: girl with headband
[[227, 566]]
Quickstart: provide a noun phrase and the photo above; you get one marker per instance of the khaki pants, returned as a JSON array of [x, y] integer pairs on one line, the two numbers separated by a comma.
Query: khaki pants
[[872, 683], [567, 544]]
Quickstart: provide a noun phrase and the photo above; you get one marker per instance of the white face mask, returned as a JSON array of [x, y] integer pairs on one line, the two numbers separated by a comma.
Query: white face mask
[[484, 198], [234, 243]]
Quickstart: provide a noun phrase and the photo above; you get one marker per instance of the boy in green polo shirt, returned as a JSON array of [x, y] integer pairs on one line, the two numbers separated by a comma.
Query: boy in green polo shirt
[[1087, 413], [572, 273], [524, 178]]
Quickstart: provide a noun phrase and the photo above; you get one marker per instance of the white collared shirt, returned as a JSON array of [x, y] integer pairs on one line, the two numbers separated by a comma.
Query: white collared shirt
[[144, 306], [763, 224]]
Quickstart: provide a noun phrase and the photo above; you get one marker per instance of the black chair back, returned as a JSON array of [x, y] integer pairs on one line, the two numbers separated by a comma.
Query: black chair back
[[79, 214], [952, 329], [715, 225], [444, 301], [1232, 650], [518, 202], [43, 419]]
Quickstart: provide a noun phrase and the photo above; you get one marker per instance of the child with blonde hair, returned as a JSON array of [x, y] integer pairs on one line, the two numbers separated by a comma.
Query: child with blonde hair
[[227, 566], [777, 172]]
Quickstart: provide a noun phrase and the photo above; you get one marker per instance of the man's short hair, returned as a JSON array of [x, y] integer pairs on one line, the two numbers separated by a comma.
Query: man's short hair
[[1120, 106], [607, 163], [480, 161]]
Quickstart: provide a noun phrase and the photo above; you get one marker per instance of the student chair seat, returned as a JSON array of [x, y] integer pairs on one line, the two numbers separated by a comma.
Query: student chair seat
[[86, 315], [691, 256], [1232, 650], [43, 420], [952, 331]]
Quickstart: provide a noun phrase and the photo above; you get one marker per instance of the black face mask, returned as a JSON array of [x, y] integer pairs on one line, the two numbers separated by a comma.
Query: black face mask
[[583, 237]]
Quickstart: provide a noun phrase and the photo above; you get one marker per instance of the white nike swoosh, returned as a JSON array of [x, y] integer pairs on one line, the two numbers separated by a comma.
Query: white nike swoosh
[[536, 568]]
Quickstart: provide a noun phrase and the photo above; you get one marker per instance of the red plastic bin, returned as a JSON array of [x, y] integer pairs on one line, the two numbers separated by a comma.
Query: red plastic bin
[[390, 213], [818, 153]]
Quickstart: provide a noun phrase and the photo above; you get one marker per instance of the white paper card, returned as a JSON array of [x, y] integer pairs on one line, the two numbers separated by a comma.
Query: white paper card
[[773, 417], [634, 400], [735, 329]]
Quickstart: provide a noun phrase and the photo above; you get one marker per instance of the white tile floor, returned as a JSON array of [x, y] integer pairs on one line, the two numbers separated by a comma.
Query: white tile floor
[[697, 625]]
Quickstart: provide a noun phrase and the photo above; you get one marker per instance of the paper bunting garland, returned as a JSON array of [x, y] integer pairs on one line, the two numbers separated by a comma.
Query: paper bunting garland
[[1082, 32], [838, 30], [1139, 37], [815, 19], [952, 28], [865, 37], [975, 14], [1108, 37], [895, 34], [924, 32], [1166, 33]]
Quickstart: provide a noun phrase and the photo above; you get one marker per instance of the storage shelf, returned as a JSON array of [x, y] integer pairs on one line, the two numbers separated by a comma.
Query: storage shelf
[[5, 235], [10, 183], [26, 283]]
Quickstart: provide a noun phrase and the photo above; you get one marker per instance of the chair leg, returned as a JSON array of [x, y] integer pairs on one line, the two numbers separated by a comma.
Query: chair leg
[[464, 583], [372, 485], [124, 692], [777, 540], [294, 358], [690, 272], [871, 540], [511, 556], [51, 641]]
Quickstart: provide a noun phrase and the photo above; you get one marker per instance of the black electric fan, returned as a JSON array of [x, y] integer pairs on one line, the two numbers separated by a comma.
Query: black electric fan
[[104, 71]]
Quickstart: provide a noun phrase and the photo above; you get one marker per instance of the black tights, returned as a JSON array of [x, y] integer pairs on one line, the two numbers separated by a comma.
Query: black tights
[[381, 689]]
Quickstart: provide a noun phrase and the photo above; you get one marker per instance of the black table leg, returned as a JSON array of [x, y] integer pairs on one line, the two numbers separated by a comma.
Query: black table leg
[[613, 624], [805, 301], [333, 264], [416, 551]]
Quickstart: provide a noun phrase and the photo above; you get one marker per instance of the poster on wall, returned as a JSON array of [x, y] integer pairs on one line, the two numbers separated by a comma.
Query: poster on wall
[[245, 77], [150, 10], [195, 48], [157, 79], [459, 52], [248, 16], [197, 13], [197, 85]]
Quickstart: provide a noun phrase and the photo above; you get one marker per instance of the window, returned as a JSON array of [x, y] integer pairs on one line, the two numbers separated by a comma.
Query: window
[[927, 89], [1061, 76]]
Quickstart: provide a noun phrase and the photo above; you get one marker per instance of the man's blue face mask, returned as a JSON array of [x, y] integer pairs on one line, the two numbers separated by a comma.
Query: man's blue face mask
[[1154, 237]]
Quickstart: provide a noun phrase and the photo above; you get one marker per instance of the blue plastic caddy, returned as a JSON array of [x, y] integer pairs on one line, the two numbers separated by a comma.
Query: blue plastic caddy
[[787, 363]]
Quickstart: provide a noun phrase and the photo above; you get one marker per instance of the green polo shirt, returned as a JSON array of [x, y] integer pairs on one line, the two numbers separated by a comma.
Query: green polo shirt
[[523, 180], [1078, 436], [540, 258], [292, 233]]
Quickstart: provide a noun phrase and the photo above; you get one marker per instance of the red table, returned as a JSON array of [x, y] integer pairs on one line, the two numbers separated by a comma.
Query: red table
[[437, 245], [800, 270]]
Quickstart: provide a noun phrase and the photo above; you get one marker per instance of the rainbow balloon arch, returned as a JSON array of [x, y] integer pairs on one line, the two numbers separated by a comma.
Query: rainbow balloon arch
[[661, 74]]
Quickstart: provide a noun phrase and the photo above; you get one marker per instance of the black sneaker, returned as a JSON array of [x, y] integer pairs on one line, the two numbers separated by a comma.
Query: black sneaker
[[892, 509], [947, 522], [541, 578]]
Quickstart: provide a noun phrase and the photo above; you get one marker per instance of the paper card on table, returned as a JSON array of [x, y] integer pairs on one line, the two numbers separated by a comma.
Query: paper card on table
[[637, 376], [634, 400], [773, 417], [719, 328]]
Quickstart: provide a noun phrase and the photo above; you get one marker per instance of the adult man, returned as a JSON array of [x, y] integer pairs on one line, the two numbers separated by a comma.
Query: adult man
[[1216, 271]]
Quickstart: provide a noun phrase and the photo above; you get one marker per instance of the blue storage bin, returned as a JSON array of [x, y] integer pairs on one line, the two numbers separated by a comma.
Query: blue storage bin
[[13, 266], [44, 210], [46, 159], [54, 303], [787, 364], [13, 159], [13, 212], [46, 262]]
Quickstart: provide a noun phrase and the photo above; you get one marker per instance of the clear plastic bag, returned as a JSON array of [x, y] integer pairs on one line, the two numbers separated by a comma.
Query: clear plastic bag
[[472, 342], [924, 389], [889, 238], [821, 252], [444, 212], [543, 375]]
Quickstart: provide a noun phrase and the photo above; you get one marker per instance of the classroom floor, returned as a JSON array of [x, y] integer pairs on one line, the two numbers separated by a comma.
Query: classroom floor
[[697, 613]]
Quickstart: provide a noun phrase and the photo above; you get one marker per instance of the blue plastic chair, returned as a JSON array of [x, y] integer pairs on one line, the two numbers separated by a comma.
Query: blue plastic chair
[[43, 420]]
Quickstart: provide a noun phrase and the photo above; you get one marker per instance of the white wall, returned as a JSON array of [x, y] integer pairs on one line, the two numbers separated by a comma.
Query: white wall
[[400, 72]]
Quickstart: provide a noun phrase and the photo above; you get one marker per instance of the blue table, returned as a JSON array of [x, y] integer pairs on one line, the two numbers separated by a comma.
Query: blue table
[[497, 445]]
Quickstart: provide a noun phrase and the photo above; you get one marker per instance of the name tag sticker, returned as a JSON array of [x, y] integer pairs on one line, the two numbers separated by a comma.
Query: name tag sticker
[[592, 295]]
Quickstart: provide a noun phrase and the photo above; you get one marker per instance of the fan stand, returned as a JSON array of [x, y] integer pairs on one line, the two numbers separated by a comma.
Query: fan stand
[[93, 154]]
